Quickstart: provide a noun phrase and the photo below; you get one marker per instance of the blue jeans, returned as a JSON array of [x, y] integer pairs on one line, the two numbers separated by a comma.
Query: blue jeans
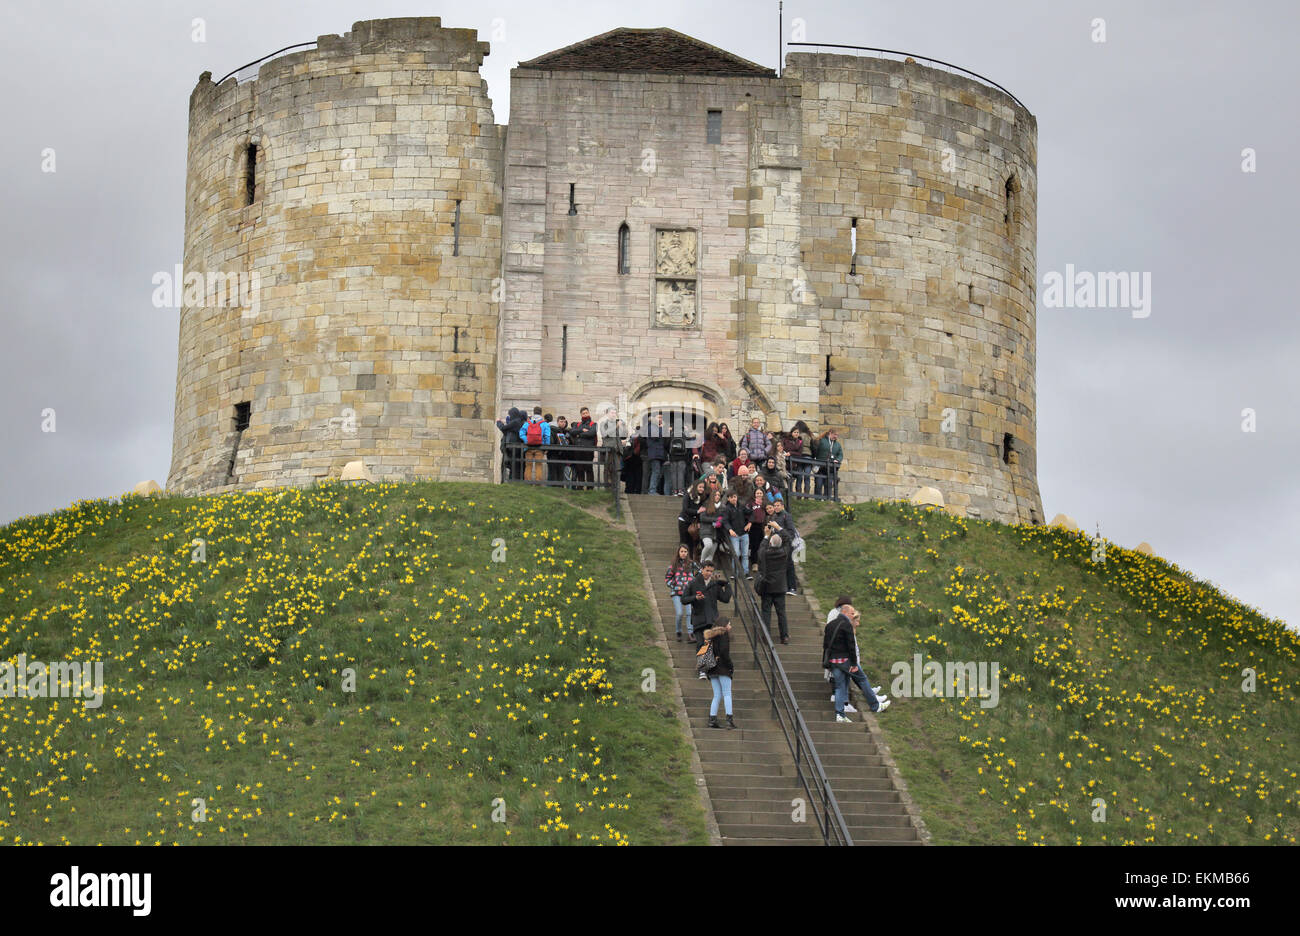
[[655, 484], [740, 549], [842, 676], [721, 690], [682, 612]]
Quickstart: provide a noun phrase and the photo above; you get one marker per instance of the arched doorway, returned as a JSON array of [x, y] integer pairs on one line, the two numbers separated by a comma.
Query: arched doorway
[[687, 408]]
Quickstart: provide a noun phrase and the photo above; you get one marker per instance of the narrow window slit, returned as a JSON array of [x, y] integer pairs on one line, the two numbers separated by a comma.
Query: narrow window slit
[[573, 205], [455, 232], [713, 127], [624, 260], [564, 347], [250, 174], [853, 248], [828, 370], [242, 416], [1008, 447]]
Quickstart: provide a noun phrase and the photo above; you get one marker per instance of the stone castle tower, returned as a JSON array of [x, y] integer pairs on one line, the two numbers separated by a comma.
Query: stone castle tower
[[662, 225]]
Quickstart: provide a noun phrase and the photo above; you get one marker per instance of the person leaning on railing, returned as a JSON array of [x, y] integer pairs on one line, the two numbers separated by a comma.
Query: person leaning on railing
[[830, 453], [798, 469], [556, 458], [534, 434], [511, 461]]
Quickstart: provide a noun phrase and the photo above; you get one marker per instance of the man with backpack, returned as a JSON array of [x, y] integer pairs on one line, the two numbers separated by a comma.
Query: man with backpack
[[534, 434]]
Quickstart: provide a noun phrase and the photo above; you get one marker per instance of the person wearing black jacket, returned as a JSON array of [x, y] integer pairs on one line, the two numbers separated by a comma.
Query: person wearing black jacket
[[511, 451], [556, 459], [781, 517], [735, 524], [692, 503], [840, 655], [770, 582], [582, 436], [720, 675], [653, 479], [707, 588]]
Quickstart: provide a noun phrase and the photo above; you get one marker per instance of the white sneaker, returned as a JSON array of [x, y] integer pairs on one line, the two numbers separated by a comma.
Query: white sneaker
[[848, 707], [883, 705], [842, 719], [832, 697], [882, 699], [876, 690]]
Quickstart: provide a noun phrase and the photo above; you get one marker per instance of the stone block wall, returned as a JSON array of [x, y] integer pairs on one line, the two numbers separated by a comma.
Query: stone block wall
[[374, 334], [575, 330], [937, 317]]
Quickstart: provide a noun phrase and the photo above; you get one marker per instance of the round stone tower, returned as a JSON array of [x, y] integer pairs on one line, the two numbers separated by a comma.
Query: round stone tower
[[342, 250], [917, 233]]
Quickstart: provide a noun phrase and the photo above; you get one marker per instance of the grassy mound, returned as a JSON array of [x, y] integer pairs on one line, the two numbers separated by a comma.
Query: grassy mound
[[1136, 704], [415, 663]]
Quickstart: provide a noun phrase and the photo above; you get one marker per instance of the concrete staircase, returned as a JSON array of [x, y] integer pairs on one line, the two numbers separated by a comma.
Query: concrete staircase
[[750, 771]]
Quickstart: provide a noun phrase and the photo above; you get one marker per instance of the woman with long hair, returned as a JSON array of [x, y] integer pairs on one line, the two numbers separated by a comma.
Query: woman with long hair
[[727, 442], [692, 503], [709, 448], [720, 676], [677, 578]]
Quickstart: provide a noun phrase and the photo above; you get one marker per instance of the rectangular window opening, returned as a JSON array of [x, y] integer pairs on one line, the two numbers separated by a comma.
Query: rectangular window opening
[[455, 232], [455, 341], [573, 205], [713, 127], [564, 348], [242, 413], [828, 370], [853, 248], [250, 174], [1008, 447]]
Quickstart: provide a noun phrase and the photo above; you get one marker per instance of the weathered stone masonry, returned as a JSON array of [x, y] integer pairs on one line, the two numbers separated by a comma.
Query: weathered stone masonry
[[393, 328]]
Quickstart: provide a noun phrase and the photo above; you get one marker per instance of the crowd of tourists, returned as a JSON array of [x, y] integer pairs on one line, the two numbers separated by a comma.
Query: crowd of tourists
[[735, 527], [698, 587], [656, 457]]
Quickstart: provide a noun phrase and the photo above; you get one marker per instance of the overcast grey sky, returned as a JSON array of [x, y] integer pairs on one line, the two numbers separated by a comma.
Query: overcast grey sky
[[1140, 169]]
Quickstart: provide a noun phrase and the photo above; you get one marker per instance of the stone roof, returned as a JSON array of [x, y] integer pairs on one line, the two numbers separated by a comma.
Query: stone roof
[[660, 51]]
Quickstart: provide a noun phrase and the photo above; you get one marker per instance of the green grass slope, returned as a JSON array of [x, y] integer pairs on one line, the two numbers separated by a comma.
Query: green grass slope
[[494, 701], [1136, 704]]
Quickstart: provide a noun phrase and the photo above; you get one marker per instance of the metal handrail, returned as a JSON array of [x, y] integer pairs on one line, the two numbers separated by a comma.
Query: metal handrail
[[830, 821], [989, 81], [298, 45], [594, 458], [831, 480]]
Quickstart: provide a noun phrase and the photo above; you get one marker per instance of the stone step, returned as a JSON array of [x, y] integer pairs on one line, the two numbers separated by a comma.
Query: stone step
[[736, 812], [805, 832]]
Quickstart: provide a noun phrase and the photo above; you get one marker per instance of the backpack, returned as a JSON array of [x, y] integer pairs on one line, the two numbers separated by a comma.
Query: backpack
[[705, 659], [677, 446], [535, 433]]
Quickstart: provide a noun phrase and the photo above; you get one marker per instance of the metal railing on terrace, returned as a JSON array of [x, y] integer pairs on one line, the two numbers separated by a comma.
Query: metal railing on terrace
[[912, 55]]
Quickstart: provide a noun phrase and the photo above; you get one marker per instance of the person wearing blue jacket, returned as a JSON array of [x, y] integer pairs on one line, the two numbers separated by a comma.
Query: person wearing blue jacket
[[534, 434]]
